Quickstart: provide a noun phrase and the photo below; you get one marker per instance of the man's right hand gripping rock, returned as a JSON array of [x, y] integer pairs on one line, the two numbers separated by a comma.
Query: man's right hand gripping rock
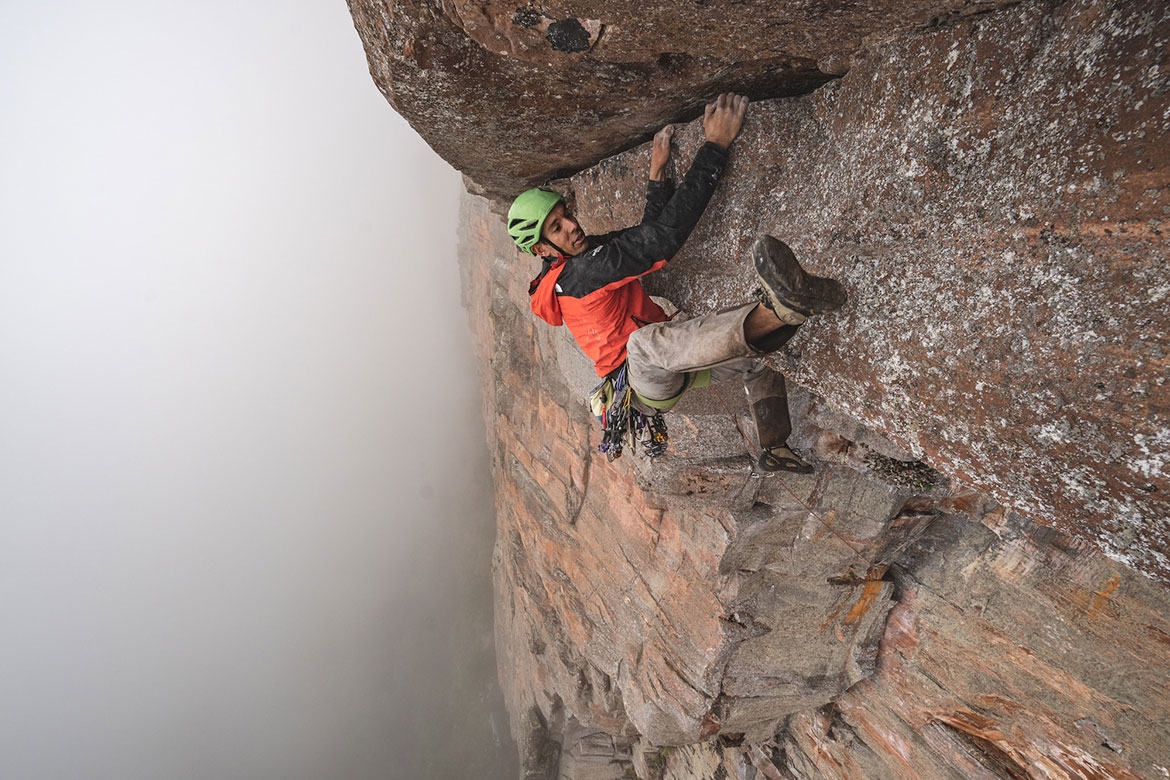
[[723, 119]]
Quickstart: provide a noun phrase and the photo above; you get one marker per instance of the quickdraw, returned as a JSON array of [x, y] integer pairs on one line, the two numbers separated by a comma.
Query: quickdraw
[[651, 433]]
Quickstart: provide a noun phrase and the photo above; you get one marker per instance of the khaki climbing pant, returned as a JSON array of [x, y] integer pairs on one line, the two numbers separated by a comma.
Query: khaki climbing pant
[[662, 354]]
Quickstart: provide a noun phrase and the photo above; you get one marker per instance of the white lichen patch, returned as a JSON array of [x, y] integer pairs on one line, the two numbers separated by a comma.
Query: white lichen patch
[[1153, 455], [1051, 433]]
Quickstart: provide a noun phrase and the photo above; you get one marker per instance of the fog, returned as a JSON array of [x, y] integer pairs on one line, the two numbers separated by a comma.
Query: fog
[[245, 516]]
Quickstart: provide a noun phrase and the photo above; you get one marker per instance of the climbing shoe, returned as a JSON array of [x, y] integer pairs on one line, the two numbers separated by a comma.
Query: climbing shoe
[[787, 289], [782, 459]]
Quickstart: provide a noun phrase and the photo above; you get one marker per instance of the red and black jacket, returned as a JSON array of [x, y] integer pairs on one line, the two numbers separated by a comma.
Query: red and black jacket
[[596, 294]]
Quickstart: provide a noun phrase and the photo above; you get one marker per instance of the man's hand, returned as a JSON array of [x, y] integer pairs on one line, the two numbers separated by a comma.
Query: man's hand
[[660, 153], [723, 119]]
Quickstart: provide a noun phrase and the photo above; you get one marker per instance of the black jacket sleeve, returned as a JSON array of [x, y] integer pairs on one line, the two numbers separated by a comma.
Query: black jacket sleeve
[[634, 251], [658, 194]]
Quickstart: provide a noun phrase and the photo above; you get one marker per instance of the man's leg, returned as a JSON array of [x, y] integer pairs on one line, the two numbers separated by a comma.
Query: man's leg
[[729, 343], [768, 400], [662, 354], [790, 295], [659, 353], [767, 397]]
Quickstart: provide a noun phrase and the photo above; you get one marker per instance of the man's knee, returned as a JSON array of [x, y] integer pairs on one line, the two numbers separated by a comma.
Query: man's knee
[[638, 346]]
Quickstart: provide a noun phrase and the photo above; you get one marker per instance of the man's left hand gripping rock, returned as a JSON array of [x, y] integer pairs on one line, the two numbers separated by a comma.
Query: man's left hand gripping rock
[[660, 153]]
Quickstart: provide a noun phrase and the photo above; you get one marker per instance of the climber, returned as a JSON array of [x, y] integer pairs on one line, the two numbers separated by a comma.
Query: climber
[[591, 284]]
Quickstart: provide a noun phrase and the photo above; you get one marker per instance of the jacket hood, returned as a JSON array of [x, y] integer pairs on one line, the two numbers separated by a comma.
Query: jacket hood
[[542, 293]]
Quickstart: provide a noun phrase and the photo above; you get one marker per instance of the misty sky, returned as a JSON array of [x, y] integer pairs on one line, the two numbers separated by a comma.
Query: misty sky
[[235, 392]]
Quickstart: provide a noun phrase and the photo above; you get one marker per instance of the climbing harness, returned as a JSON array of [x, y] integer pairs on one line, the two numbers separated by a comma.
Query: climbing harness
[[700, 378], [612, 405], [622, 423]]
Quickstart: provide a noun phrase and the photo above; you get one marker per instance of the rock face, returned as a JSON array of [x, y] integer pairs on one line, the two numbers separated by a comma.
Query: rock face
[[999, 227], [973, 583], [511, 92]]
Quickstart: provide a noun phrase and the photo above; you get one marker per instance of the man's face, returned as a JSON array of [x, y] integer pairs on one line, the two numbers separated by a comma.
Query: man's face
[[563, 231]]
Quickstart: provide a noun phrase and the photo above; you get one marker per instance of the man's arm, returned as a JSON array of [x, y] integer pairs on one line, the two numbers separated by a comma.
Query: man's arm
[[659, 188], [661, 237], [643, 248]]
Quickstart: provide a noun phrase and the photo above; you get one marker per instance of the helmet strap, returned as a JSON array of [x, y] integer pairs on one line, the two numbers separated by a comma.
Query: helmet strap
[[560, 251]]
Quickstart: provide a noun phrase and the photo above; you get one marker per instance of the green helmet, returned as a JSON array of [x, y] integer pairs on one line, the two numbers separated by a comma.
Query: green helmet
[[526, 217]]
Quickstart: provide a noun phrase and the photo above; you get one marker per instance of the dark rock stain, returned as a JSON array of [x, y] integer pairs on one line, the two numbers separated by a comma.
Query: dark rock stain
[[568, 35], [526, 16]]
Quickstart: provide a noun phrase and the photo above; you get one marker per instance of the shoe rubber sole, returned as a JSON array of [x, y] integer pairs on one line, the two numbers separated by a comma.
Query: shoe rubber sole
[[786, 283]]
